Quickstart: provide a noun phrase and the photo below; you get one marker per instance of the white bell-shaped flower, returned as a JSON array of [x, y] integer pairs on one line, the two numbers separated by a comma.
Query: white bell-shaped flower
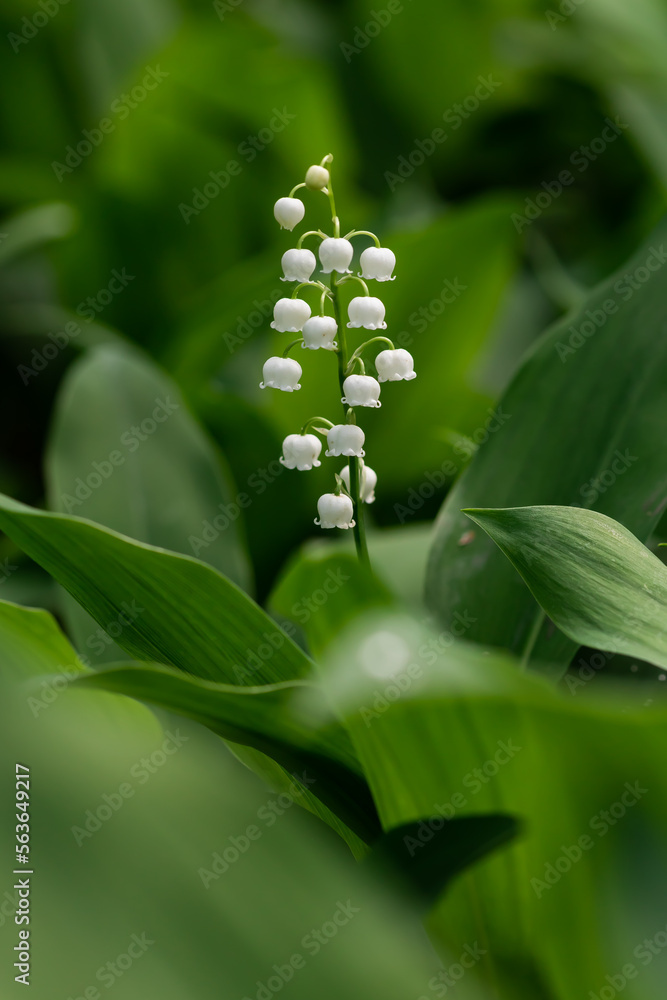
[[377, 263], [335, 255], [368, 482], [395, 365], [289, 212], [335, 511], [319, 331], [298, 265], [345, 439], [361, 390], [281, 373], [289, 315], [366, 311], [317, 178], [301, 451]]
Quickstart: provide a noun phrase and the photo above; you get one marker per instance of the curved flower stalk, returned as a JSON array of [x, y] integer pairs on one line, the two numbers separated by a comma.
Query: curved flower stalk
[[355, 484]]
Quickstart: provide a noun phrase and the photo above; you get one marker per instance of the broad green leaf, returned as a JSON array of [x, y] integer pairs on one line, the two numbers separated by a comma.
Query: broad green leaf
[[580, 424], [591, 576], [126, 820], [162, 606], [322, 590], [446, 730], [35, 226], [261, 718], [126, 453]]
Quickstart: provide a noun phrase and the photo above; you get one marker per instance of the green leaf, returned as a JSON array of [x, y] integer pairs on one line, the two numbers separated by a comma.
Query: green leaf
[[427, 855], [593, 578], [126, 453], [165, 607], [262, 718], [322, 590], [446, 730], [581, 424]]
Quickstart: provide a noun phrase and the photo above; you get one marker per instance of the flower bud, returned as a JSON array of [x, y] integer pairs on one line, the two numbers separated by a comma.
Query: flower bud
[[289, 315], [366, 311], [281, 373], [345, 439], [319, 331], [335, 255], [361, 390], [301, 451], [298, 265], [317, 178], [289, 212], [377, 263], [335, 511], [368, 482], [395, 365]]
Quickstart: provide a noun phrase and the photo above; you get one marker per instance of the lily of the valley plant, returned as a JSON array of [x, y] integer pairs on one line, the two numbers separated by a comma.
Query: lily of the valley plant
[[355, 483]]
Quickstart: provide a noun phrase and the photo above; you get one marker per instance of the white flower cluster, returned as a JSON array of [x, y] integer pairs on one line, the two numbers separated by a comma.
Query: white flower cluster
[[293, 315]]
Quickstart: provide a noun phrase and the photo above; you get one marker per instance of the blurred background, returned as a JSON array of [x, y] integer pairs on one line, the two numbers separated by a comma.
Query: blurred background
[[145, 142]]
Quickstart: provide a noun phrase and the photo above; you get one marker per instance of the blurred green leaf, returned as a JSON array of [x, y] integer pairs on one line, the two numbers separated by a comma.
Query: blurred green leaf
[[126, 453], [581, 421], [261, 718], [160, 605], [593, 578], [449, 731]]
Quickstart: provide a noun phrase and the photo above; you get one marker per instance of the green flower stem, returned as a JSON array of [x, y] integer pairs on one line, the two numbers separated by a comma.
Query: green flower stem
[[350, 417], [305, 284], [364, 232], [316, 420], [312, 232], [296, 188], [354, 277], [357, 354], [290, 346]]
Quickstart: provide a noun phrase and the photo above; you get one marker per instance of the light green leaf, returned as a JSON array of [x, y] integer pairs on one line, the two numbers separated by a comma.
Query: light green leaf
[[261, 718], [554, 443], [163, 606], [593, 578], [126, 453], [449, 731]]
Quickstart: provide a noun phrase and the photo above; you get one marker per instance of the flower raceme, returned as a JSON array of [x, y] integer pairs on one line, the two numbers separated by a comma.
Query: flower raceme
[[320, 326]]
